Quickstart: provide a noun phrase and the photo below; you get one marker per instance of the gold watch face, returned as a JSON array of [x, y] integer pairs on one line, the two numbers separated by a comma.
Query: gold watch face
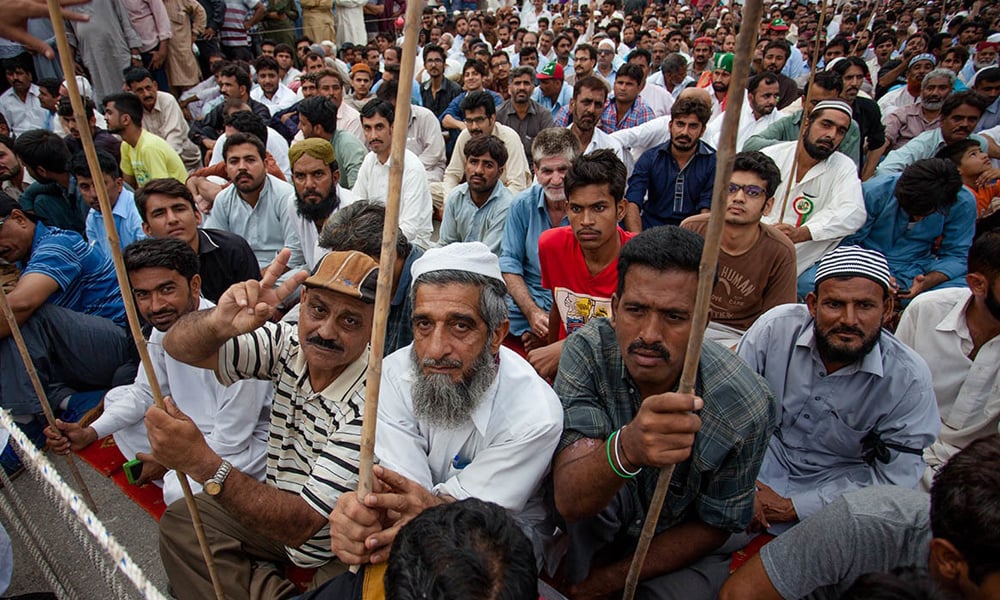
[[212, 487]]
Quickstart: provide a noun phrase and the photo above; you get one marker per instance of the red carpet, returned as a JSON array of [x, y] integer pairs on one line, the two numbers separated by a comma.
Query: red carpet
[[104, 456]]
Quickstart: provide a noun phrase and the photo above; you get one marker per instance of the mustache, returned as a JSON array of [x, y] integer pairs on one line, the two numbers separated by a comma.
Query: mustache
[[657, 347], [847, 329], [443, 363], [316, 340]]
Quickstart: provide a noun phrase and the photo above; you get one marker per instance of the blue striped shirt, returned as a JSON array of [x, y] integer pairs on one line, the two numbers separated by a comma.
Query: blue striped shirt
[[84, 273]]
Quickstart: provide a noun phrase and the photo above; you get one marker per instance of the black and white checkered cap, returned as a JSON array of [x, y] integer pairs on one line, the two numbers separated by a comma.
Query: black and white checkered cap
[[854, 261]]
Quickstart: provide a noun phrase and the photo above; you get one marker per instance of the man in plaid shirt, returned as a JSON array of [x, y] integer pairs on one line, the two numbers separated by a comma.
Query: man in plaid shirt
[[626, 109]]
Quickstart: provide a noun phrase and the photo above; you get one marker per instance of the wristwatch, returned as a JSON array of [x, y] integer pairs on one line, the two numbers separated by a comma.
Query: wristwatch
[[213, 486]]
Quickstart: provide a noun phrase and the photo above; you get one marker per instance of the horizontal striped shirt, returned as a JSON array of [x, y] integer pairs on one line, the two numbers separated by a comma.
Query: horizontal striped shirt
[[233, 32], [84, 273], [315, 437]]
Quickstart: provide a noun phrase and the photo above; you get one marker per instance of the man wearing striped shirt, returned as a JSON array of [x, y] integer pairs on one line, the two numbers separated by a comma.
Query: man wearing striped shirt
[[318, 368]]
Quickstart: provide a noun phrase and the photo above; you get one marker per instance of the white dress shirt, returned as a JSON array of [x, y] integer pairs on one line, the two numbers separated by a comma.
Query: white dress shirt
[[828, 200], [657, 98], [415, 208], [967, 390], [501, 455], [234, 419], [749, 126], [282, 98], [23, 116]]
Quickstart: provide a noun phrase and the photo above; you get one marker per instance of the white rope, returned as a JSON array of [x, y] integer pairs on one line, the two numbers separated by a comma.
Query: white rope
[[71, 502]]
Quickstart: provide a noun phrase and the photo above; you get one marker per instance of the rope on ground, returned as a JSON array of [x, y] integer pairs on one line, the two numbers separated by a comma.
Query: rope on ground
[[107, 555]]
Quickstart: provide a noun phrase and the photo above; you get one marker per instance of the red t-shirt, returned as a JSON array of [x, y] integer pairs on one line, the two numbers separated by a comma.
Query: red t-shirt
[[578, 296]]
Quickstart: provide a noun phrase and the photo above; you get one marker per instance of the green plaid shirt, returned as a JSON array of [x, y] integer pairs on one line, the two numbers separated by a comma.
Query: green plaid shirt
[[717, 484]]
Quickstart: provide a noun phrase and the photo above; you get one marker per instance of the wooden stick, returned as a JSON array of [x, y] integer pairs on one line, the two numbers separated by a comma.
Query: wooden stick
[[22, 348], [66, 60], [805, 116], [709, 259], [387, 261]]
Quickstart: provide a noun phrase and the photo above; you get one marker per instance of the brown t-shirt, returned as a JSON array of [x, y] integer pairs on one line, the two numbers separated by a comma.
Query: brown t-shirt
[[754, 282]]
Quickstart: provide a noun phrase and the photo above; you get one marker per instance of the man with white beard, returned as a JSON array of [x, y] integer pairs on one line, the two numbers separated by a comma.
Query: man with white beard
[[459, 415]]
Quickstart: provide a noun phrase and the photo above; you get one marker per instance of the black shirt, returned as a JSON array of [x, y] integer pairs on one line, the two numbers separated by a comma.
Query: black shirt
[[868, 116], [449, 89], [225, 259], [213, 125]]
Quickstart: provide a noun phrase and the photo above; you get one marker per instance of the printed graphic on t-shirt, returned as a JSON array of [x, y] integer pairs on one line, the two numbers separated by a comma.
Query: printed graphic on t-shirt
[[576, 310]]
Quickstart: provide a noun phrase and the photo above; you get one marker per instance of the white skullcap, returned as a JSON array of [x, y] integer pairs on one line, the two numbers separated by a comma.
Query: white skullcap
[[472, 257], [854, 261], [606, 43], [835, 105]]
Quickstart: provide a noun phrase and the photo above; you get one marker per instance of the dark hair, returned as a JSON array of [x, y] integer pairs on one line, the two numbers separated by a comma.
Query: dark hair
[[266, 63], [41, 148], [428, 48], [51, 85], [137, 74], [847, 62], [838, 41], [907, 583], [590, 82], [320, 110], [641, 53], [666, 248], [521, 72], [965, 504], [65, 108], [476, 100], [589, 49], [779, 45], [597, 168], [283, 47], [766, 77], [78, 166], [461, 550], [163, 187], [387, 91], [989, 75], [828, 80], [358, 226], [883, 38], [245, 121], [6, 140], [166, 252], [760, 165], [984, 254], [377, 107], [236, 71], [954, 101], [631, 71], [691, 106], [499, 54], [126, 103], [487, 144], [956, 150], [527, 51], [961, 53], [241, 138], [476, 64], [927, 186]]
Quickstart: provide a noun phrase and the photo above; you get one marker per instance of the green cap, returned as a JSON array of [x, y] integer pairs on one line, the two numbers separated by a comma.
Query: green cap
[[723, 62]]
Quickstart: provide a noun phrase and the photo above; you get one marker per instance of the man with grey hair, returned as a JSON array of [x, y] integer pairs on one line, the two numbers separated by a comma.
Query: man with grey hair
[[908, 122], [536, 209], [673, 74], [358, 226], [460, 416]]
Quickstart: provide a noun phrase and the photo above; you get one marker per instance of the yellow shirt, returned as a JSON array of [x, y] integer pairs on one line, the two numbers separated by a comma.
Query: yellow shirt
[[151, 158]]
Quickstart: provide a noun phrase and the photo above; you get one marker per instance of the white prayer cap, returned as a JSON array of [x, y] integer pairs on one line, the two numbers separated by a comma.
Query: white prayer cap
[[835, 105], [472, 257]]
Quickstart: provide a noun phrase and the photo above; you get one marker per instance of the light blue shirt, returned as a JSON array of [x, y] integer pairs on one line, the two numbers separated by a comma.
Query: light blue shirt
[[128, 223], [795, 66], [266, 226], [527, 218], [925, 145], [565, 95], [991, 116], [463, 221], [815, 454], [912, 248], [415, 98]]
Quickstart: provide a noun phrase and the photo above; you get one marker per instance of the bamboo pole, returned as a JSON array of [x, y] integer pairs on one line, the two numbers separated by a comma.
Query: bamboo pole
[[65, 58], [22, 348], [387, 260], [792, 177], [706, 270]]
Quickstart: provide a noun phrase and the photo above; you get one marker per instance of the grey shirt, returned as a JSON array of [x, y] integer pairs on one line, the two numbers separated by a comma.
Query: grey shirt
[[878, 529], [537, 119]]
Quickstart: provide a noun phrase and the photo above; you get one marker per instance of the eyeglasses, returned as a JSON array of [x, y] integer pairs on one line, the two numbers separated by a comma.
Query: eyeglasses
[[750, 190], [432, 61]]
